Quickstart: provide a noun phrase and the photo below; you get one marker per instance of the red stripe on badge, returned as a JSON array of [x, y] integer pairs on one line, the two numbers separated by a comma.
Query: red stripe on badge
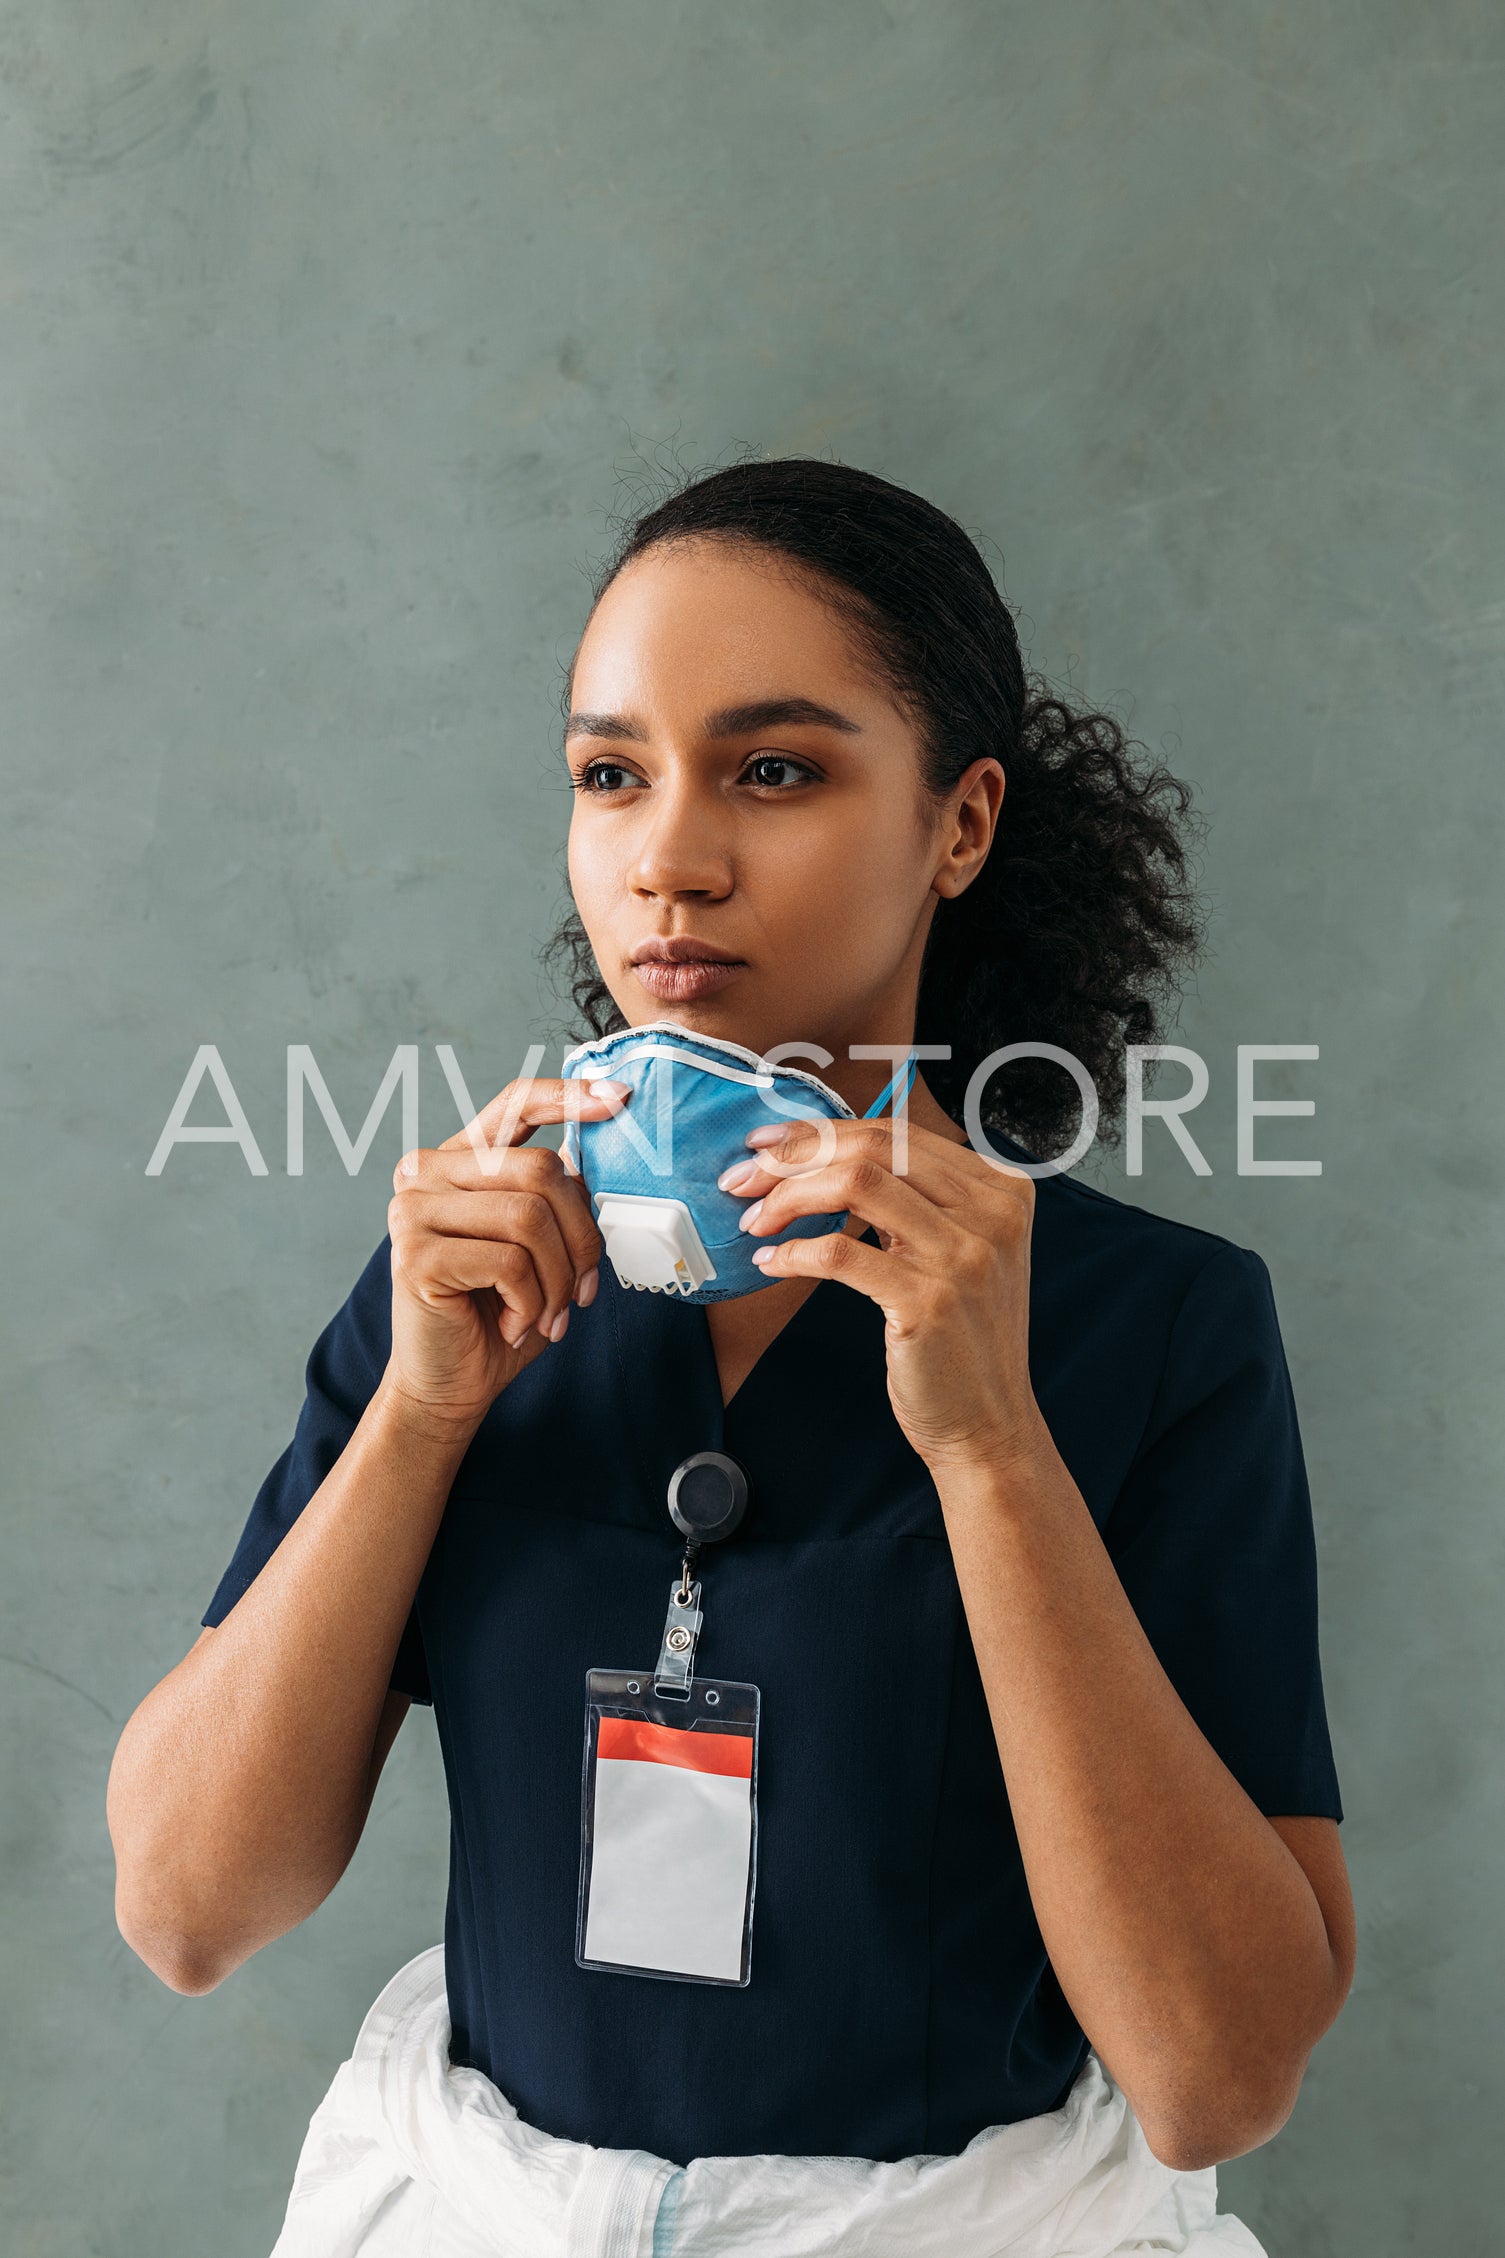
[[635, 1740]]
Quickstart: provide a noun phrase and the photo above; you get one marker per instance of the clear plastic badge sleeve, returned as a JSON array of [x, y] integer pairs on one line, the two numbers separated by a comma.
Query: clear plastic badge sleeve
[[669, 1829]]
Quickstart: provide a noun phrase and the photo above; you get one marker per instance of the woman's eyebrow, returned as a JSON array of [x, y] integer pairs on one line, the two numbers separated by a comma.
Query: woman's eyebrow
[[730, 721], [604, 725], [777, 713]]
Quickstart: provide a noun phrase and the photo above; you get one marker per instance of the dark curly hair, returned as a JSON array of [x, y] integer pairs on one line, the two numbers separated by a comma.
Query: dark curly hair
[[1076, 930]]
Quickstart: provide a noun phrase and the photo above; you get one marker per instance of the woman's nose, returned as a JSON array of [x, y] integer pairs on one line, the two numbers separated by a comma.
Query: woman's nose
[[682, 850]]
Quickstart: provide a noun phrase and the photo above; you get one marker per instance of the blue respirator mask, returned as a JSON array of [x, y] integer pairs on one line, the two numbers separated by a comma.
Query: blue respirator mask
[[651, 1169]]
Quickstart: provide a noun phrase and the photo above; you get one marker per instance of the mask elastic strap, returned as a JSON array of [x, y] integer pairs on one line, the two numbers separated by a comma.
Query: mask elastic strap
[[906, 1075]]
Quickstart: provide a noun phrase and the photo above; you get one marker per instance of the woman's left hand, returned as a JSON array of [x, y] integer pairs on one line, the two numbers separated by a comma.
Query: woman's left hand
[[950, 1273]]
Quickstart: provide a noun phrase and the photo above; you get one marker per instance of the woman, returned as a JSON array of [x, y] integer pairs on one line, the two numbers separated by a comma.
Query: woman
[[1028, 1585]]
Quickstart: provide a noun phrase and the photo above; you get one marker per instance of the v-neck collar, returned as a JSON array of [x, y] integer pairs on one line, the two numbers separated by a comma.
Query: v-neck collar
[[731, 1411], [667, 1373]]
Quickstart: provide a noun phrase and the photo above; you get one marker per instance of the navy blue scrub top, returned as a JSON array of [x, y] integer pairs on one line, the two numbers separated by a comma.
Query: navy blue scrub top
[[901, 1998]]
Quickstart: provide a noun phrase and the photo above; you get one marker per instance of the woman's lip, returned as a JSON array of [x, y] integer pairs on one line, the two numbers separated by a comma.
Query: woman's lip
[[681, 983]]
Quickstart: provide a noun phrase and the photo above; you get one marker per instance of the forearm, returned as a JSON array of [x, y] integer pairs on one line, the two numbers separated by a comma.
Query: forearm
[[241, 1783], [1183, 1932]]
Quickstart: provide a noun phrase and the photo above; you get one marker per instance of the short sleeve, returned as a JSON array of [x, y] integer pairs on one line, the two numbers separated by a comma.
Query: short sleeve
[[1213, 1542], [344, 1367]]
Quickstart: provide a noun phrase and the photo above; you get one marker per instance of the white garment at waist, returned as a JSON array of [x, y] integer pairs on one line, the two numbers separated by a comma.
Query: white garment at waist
[[408, 2157]]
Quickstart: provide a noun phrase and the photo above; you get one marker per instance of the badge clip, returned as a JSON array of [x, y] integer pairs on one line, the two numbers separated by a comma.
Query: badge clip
[[675, 1669]]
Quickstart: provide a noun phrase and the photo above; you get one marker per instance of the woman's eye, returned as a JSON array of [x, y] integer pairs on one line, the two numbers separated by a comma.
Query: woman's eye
[[604, 776], [776, 769]]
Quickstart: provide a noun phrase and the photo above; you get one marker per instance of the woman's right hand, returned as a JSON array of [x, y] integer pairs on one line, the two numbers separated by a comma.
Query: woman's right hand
[[491, 1242]]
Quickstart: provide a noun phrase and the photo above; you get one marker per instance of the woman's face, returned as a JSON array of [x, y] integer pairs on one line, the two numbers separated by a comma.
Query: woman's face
[[751, 851]]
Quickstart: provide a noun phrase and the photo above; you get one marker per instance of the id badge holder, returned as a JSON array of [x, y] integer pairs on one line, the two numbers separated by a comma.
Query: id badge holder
[[669, 1801]]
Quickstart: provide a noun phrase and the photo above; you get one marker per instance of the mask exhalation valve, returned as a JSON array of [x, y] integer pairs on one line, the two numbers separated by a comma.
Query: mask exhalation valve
[[652, 1244]]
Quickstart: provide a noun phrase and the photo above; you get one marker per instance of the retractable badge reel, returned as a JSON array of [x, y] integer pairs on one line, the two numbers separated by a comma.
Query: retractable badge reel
[[669, 1797]]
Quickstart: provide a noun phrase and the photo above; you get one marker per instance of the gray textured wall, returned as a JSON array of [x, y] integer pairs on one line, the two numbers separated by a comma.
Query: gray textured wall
[[326, 327]]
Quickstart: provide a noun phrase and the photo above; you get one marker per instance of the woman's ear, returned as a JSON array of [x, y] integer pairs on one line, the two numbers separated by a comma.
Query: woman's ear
[[976, 799]]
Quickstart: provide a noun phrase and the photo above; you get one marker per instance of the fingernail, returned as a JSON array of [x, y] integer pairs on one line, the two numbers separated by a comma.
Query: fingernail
[[609, 1089], [585, 1291], [769, 1134], [741, 1172], [749, 1216], [408, 1165], [764, 1255], [556, 1330]]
